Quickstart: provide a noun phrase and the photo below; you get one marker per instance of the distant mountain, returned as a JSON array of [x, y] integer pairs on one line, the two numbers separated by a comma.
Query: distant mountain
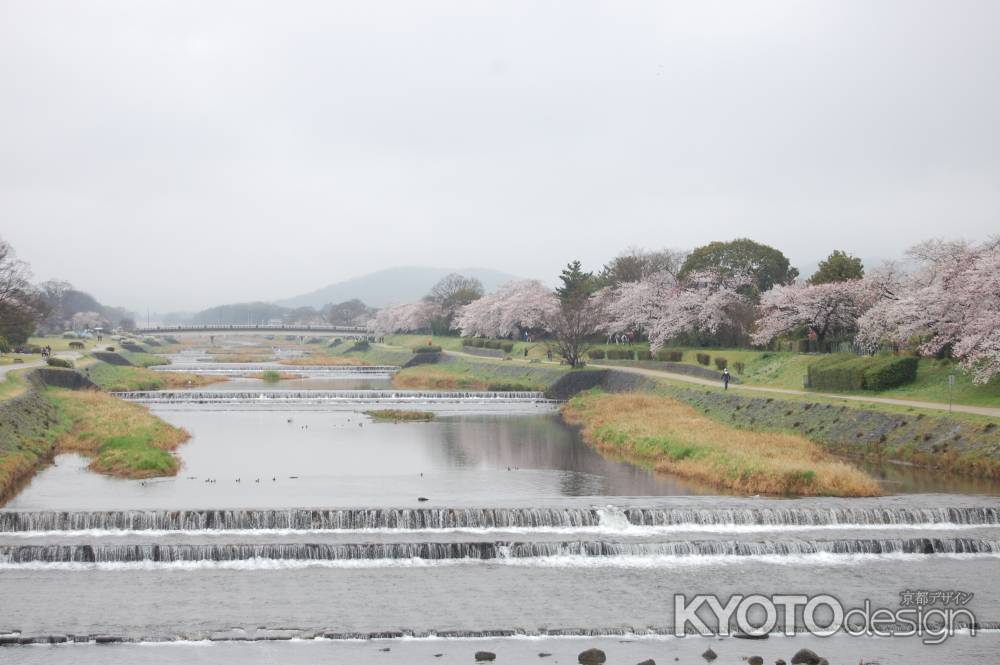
[[392, 285]]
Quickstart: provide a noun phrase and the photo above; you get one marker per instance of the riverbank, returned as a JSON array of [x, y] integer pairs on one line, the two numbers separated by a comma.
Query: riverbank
[[669, 436], [962, 444], [123, 378], [55, 412], [122, 439]]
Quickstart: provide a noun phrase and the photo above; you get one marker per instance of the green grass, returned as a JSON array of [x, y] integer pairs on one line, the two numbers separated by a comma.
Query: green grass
[[400, 415], [145, 359], [270, 376], [117, 378], [59, 343], [123, 439]]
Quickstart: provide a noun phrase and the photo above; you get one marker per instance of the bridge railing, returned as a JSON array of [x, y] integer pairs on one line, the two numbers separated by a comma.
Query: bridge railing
[[245, 326]]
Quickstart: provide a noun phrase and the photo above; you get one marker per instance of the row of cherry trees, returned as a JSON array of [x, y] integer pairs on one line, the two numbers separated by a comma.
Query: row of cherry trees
[[947, 303]]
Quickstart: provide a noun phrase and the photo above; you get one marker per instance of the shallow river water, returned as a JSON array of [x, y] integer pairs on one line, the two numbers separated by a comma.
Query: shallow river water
[[299, 530]]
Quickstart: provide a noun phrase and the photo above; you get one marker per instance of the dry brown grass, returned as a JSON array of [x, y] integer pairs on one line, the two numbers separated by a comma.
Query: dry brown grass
[[672, 437], [318, 361], [432, 378], [124, 439]]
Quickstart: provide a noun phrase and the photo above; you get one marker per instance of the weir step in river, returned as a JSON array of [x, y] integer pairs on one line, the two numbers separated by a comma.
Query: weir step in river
[[333, 396], [486, 518], [170, 553], [246, 368]]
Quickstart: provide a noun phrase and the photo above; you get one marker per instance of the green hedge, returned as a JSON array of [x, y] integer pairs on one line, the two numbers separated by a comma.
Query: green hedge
[[480, 343], [703, 358], [596, 354], [427, 349], [619, 354], [643, 354], [721, 363], [840, 372], [58, 362], [670, 356]]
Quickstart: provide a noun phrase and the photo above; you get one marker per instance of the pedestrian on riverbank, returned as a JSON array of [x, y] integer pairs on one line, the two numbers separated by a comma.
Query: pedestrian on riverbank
[[725, 379]]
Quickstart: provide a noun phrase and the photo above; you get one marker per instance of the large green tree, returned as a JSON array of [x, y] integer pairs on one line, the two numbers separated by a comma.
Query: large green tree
[[838, 267], [765, 265], [575, 319]]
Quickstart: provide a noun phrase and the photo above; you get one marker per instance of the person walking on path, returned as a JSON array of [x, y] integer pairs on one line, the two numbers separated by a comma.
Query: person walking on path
[[725, 379]]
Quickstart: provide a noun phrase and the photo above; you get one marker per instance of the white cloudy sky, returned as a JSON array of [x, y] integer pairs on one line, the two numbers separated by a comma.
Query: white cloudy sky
[[178, 154]]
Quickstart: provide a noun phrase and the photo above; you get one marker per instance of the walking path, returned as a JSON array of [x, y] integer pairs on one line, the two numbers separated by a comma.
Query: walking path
[[938, 406], [992, 412]]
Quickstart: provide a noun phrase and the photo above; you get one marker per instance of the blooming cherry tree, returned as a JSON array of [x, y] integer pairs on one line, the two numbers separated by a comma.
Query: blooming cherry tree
[[405, 317], [832, 308], [515, 306], [951, 302]]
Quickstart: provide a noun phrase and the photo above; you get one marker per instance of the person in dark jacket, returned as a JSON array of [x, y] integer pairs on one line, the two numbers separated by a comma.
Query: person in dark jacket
[[725, 379]]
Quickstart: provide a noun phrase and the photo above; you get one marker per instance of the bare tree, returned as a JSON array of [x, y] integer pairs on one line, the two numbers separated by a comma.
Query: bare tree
[[21, 306], [451, 293]]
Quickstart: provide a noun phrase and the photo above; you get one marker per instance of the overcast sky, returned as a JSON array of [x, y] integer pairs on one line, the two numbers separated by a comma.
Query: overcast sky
[[181, 154]]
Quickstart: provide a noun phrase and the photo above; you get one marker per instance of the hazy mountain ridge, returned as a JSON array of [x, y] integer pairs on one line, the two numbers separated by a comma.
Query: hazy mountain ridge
[[392, 285]]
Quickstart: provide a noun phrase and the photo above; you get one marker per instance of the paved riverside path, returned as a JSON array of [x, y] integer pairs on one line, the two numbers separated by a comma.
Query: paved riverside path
[[993, 412]]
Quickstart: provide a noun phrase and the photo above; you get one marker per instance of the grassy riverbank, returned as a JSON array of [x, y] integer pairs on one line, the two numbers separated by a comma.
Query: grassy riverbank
[[120, 378], [123, 439], [400, 415], [457, 373], [665, 434]]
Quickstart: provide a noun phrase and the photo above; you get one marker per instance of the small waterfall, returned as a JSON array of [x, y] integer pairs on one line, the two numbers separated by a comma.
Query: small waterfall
[[488, 518], [330, 396], [248, 368], [169, 553], [299, 520], [799, 516]]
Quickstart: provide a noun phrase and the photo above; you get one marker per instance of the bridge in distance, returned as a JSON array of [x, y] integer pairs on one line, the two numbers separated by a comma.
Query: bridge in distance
[[346, 331]]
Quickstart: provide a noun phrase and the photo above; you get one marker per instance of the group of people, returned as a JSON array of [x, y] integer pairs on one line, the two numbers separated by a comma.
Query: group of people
[[624, 339]]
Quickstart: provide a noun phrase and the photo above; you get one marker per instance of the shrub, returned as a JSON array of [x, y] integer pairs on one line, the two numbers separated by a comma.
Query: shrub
[[739, 367], [270, 375], [76, 345], [335, 343], [430, 348], [839, 372], [69, 335], [891, 372], [509, 387], [59, 362], [596, 354], [721, 363], [643, 354], [360, 345], [4, 345], [507, 347], [703, 358], [619, 354], [670, 355], [110, 349]]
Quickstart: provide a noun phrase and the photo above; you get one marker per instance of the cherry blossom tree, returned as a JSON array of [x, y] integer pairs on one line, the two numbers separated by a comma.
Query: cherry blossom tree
[[951, 303], [664, 307], [406, 317], [515, 306], [831, 308]]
